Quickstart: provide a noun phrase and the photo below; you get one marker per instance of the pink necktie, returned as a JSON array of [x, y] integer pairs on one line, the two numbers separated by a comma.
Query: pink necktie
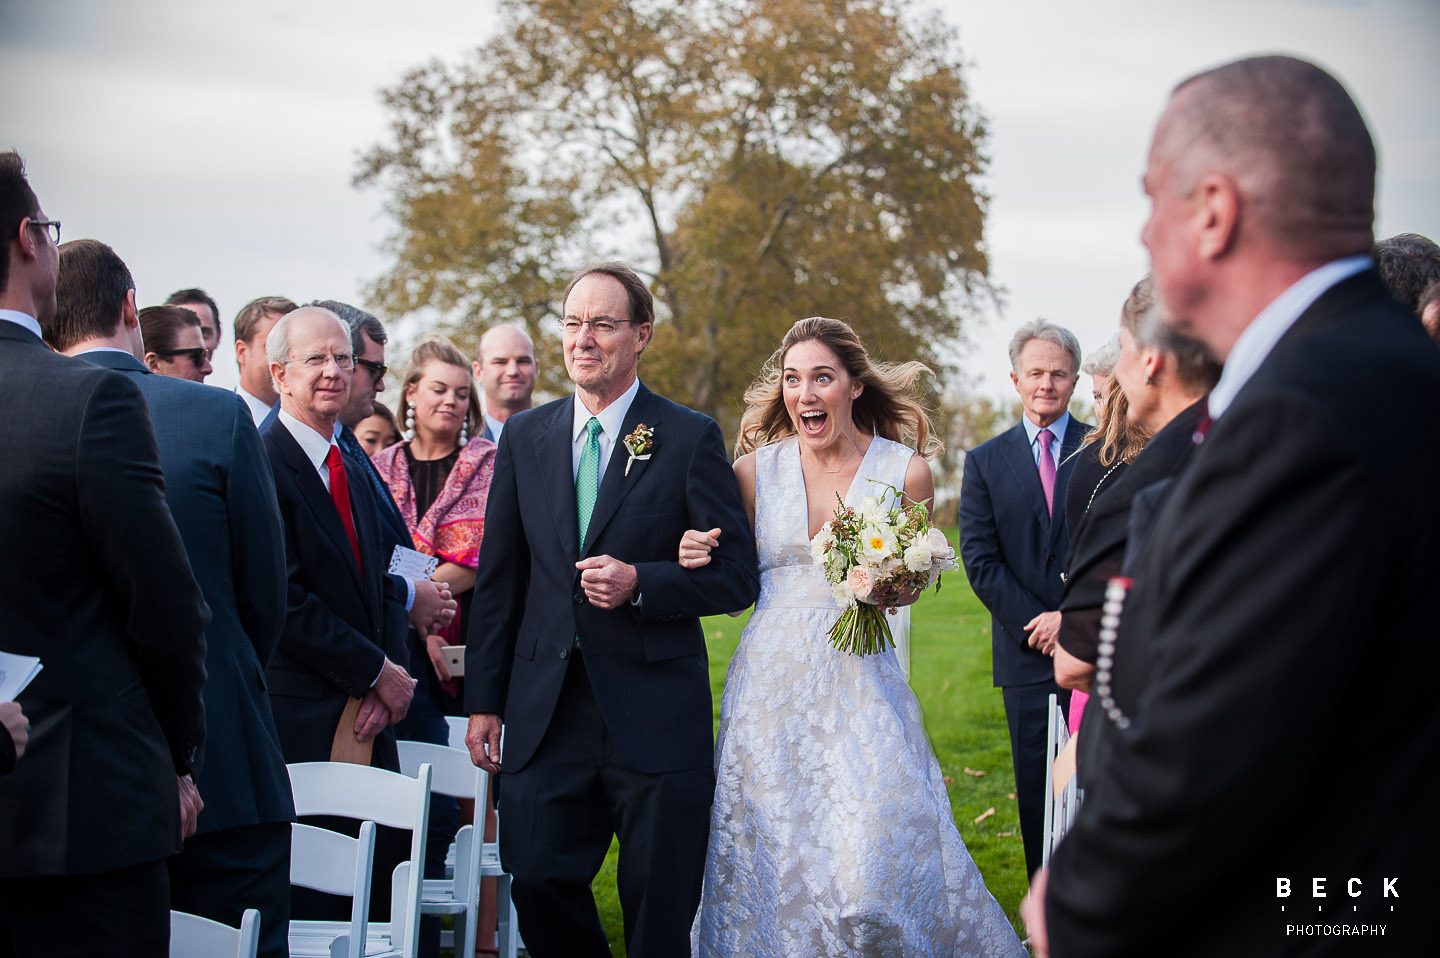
[[1047, 470]]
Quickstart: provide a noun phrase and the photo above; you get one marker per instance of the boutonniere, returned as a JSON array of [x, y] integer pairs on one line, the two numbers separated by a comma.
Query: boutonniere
[[638, 444]]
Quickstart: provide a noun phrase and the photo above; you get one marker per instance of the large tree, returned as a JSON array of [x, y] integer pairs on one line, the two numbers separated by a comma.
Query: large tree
[[759, 160]]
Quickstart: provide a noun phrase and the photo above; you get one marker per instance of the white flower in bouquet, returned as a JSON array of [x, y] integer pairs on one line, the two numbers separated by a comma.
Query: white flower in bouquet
[[872, 510], [877, 542], [842, 592], [822, 543], [919, 558], [940, 546]]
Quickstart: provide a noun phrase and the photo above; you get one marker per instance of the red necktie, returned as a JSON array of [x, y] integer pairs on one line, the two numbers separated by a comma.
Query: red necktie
[[340, 493], [1047, 469]]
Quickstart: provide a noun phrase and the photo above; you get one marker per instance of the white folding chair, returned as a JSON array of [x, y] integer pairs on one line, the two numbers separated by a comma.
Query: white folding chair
[[339, 865], [1062, 804], [384, 798], [453, 774], [194, 937], [459, 725]]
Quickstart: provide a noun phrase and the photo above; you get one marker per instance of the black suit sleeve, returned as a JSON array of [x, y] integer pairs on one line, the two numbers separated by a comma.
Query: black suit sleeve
[[731, 580], [7, 751], [257, 538], [985, 566], [501, 579], [1255, 539], [121, 497]]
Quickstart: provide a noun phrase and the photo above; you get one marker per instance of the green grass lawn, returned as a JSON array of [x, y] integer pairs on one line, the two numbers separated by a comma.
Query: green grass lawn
[[950, 673]]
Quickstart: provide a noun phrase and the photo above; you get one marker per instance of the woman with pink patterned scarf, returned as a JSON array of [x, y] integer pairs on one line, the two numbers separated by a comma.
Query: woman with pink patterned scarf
[[439, 474]]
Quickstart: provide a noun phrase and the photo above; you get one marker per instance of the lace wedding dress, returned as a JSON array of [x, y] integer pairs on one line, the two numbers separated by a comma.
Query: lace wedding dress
[[831, 833]]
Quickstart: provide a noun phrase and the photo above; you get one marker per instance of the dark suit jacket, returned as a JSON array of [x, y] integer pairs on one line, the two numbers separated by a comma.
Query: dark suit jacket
[[1277, 662], [647, 664], [335, 640], [1013, 551], [1099, 533], [222, 495], [96, 584]]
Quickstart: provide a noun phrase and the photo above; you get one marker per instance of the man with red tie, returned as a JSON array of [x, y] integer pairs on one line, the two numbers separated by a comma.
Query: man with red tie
[[336, 645]]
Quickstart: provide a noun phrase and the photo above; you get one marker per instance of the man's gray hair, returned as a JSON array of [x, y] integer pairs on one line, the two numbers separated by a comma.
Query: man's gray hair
[[1102, 361], [1048, 331], [358, 320], [277, 344]]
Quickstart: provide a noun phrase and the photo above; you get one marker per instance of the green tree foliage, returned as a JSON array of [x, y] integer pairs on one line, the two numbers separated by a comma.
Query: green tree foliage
[[759, 160]]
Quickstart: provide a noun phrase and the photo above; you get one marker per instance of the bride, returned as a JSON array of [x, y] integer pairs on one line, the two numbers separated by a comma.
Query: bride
[[831, 832]]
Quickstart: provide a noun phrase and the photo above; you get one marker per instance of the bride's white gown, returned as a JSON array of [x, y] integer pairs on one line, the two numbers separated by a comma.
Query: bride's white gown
[[831, 832]]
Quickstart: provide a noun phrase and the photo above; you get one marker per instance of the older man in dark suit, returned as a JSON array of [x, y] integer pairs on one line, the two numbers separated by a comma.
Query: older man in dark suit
[[588, 642], [1281, 624], [336, 645], [221, 493], [97, 585], [1013, 542]]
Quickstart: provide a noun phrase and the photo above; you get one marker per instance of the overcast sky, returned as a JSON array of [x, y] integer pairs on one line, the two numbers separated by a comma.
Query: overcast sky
[[213, 144]]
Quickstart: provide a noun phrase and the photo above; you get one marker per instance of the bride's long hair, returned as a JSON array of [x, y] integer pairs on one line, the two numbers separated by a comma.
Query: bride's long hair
[[887, 406]]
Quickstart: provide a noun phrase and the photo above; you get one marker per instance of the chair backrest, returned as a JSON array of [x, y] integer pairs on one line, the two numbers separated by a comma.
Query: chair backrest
[[194, 937], [451, 771], [1059, 808], [373, 795], [459, 726], [340, 865]]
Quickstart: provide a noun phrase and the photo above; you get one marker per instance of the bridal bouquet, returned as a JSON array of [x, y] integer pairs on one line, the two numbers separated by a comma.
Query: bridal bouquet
[[873, 556]]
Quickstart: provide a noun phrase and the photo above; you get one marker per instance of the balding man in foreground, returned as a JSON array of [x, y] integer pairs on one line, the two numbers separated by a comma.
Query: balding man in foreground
[[1268, 773], [335, 646]]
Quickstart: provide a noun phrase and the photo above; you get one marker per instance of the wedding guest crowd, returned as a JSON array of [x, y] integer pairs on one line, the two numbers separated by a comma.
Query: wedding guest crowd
[[206, 578]]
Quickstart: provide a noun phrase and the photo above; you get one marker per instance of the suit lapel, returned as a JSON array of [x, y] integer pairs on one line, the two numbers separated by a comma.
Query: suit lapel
[[1027, 476], [317, 499], [552, 453], [615, 485]]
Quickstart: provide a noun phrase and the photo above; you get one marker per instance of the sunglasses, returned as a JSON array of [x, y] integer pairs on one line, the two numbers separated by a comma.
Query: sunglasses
[[196, 355], [378, 370]]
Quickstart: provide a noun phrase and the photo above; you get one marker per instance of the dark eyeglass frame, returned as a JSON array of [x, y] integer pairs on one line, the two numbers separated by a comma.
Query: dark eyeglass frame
[[197, 354], [54, 226], [378, 370]]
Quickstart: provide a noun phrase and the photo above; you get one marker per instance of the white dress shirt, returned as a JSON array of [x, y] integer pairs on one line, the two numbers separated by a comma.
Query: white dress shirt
[[21, 319], [314, 444], [495, 426], [258, 409], [612, 419], [1273, 322]]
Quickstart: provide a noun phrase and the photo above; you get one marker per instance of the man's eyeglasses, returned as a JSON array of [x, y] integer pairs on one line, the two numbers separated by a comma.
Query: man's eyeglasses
[[54, 228], [598, 327], [378, 370], [197, 355], [344, 360]]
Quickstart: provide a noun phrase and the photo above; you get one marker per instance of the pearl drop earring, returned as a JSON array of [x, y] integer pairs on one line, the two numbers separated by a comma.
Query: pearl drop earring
[[410, 424]]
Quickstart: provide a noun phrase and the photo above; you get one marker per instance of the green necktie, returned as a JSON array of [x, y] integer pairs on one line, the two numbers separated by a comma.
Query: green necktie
[[587, 480]]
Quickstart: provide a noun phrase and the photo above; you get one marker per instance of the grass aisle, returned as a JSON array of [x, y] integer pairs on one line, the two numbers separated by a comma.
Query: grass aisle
[[950, 673]]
